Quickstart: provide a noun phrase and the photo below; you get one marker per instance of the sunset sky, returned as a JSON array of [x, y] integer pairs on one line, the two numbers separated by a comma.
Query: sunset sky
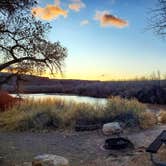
[[106, 39]]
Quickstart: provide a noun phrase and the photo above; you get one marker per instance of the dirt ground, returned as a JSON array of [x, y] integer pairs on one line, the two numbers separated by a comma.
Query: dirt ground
[[80, 148]]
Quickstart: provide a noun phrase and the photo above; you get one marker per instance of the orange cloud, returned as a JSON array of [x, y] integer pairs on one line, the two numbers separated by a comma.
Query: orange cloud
[[76, 5], [49, 12], [107, 19], [84, 22]]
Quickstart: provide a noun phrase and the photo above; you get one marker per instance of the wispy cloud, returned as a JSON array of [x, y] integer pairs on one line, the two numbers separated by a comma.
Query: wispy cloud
[[50, 11], [57, 2], [107, 19], [76, 5], [84, 22]]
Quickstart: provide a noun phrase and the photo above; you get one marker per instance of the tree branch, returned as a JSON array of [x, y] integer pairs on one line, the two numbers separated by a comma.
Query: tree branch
[[12, 62]]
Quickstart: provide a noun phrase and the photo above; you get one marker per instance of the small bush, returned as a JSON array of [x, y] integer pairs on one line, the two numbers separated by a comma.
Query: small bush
[[147, 120], [129, 119], [117, 105], [6, 101], [72, 112], [162, 117], [124, 110]]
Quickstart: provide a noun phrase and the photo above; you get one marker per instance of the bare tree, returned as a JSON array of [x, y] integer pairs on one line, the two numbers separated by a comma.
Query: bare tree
[[23, 44], [158, 19], [12, 6]]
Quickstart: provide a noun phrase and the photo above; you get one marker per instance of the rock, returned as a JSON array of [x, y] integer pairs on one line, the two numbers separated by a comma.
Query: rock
[[112, 128], [50, 160], [27, 164]]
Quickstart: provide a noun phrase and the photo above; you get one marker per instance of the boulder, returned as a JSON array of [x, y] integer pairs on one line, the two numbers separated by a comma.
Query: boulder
[[50, 160], [112, 128]]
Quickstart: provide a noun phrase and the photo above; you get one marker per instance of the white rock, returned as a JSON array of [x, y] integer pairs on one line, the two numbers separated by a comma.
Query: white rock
[[50, 160], [27, 164], [24, 164], [112, 128]]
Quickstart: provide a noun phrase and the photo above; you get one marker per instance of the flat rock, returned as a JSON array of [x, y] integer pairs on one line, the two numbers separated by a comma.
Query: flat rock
[[50, 160]]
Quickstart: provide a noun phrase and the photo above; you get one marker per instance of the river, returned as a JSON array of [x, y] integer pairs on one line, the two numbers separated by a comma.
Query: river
[[78, 99]]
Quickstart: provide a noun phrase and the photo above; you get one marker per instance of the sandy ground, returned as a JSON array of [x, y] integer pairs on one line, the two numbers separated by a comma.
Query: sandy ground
[[80, 148]]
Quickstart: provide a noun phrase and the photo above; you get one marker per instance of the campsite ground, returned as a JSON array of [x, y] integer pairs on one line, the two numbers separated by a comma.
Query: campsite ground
[[80, 148]]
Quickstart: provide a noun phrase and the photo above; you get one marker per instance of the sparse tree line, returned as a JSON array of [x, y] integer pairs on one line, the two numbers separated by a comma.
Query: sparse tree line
[[24, 48]]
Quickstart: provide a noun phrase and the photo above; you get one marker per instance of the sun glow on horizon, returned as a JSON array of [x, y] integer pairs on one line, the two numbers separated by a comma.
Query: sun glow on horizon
[[105, 77], [104, 39]]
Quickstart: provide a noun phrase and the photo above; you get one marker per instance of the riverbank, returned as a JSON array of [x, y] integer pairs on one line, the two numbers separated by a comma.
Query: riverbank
[[146, 91], [80, 148], [60, 114]]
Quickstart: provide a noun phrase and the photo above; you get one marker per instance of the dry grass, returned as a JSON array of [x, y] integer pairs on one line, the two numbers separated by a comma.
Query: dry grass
[[142, 159], [162, 117], [147, 120], [63, 114], [117, 105], [24, 116]]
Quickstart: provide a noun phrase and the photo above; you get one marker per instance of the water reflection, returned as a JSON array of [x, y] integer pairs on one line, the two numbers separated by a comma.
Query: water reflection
[[78, 99]]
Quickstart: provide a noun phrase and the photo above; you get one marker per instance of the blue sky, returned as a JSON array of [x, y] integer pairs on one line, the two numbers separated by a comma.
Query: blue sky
[[107, 52]]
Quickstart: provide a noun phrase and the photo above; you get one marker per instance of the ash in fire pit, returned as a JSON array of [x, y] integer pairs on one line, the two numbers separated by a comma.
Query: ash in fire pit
[[118, 144]]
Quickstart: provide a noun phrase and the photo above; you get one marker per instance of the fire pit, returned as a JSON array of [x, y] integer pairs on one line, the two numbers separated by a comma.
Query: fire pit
[[118, 143]]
